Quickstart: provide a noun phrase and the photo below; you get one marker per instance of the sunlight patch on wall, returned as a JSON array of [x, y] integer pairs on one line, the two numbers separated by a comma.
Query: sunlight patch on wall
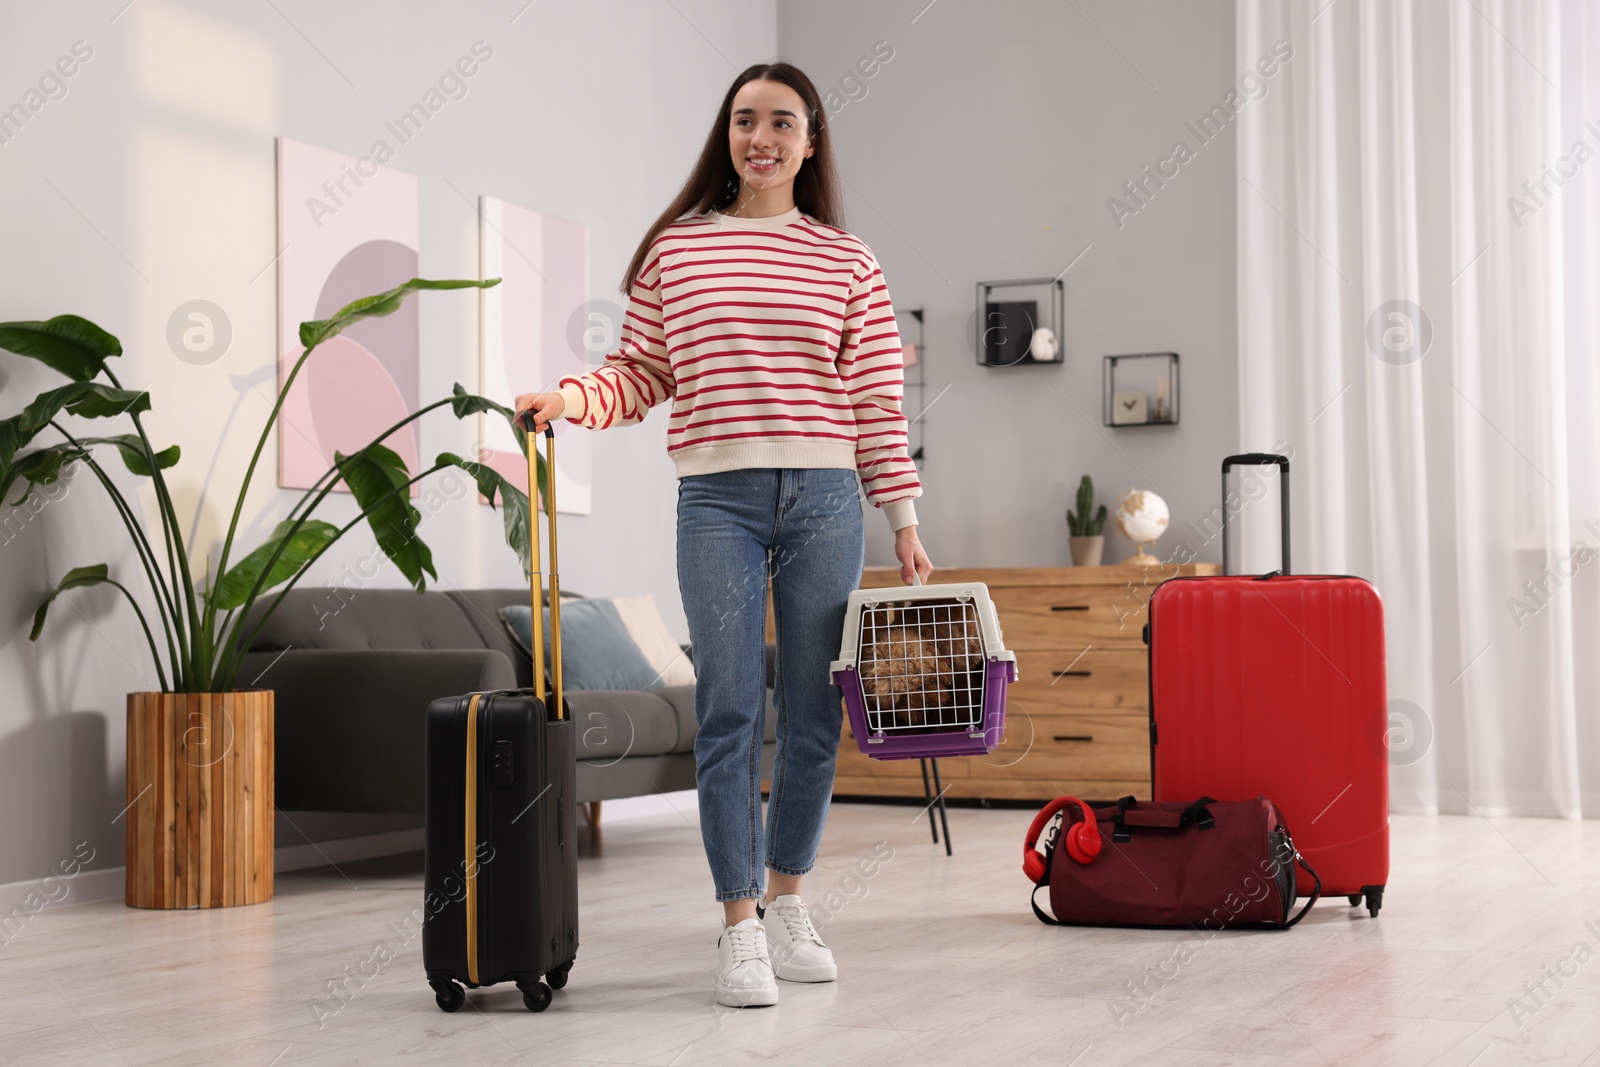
[[203, 67]]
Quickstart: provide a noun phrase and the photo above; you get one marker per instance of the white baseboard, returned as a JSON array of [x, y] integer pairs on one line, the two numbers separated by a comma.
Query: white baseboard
[[20, 901], [109, 883]]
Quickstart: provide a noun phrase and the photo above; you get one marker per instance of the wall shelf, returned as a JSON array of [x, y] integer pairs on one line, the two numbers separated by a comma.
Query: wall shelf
[[1140, 389], [1004, 328], [915, 391]]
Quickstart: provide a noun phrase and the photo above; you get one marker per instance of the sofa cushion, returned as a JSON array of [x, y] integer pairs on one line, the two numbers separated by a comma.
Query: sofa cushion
[[482, 609], [612, 724], [597, 652], [642, 616], [337, 617]]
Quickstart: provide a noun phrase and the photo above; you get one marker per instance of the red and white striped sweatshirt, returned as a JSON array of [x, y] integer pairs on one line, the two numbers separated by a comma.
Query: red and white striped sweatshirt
[[777, 343]]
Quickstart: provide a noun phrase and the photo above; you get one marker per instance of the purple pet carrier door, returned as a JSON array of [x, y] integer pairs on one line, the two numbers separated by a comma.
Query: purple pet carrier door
[[920, 683]]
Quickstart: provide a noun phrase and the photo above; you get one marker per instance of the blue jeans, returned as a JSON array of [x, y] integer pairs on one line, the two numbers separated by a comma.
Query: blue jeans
[[807, 526]]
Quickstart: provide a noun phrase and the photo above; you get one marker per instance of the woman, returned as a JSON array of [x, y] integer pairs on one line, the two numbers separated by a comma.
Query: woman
[[770, 328]]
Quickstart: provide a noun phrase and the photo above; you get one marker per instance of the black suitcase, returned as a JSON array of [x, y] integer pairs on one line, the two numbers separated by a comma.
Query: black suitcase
[[500, 900]]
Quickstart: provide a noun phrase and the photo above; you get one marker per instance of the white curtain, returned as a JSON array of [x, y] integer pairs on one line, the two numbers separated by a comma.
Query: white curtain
[[1419, 309]]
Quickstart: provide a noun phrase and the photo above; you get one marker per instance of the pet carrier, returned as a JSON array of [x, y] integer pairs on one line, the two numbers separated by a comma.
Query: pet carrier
[[924, 670]]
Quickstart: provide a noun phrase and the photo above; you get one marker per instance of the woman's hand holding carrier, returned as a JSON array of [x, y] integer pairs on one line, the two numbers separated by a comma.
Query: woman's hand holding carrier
[[914, 562]]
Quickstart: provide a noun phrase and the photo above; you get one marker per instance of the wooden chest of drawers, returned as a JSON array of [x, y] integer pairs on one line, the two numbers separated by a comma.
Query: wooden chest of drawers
[[1077, 719]]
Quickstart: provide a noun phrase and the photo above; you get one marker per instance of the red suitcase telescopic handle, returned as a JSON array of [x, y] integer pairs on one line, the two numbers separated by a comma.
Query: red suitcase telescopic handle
[[1257, 459]]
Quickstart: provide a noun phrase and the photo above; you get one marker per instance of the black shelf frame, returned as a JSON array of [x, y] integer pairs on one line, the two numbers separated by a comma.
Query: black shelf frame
[[915, 397], [1108, 388], [1056, 302]]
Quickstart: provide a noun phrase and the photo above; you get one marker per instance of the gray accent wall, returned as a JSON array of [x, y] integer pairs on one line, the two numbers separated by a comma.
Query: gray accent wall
[[987, 148]]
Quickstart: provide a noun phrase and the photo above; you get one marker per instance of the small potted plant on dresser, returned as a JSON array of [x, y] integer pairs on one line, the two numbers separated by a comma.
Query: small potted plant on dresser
[[200, 746], [1086, 540]]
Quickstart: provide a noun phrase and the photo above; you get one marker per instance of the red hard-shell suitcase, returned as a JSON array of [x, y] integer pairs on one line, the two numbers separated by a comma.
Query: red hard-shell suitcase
[[500, 862], [1275, 685]]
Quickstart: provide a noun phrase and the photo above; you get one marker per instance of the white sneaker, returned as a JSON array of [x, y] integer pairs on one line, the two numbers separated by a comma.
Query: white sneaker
[[744, 970], [795, 947]]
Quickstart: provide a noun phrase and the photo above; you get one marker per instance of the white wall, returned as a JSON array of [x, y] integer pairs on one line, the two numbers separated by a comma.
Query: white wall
[[151, 182]]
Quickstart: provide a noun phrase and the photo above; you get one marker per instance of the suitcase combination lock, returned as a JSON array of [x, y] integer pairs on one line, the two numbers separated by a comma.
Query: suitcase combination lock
[[504, 769]]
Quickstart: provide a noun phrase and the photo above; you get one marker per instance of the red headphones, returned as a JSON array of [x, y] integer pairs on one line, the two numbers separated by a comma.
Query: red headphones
[[1082, 841]]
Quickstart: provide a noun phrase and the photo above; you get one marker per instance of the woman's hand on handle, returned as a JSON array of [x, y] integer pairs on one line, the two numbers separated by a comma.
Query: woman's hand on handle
[[544, 407], [908, 548]]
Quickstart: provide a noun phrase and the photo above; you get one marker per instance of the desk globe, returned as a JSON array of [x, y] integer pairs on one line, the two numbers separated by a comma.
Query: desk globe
[[1142, 517]]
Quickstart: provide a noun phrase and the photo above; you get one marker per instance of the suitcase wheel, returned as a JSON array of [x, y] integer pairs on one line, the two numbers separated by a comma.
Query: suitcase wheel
[[538, 998], [1355, 900], [448, 995], [1374, 899], [558, 977]]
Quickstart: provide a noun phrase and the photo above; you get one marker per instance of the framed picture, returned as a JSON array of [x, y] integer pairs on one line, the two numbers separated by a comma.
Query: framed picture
[[366, 378], [527, 344]]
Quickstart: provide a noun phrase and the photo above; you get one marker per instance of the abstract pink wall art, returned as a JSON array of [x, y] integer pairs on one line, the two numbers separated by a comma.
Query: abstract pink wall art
[[529, 322], [344, 233]]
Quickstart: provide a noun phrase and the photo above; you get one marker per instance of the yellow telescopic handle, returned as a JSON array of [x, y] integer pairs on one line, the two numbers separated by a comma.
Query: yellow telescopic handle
[[555, 576], [535, 576]]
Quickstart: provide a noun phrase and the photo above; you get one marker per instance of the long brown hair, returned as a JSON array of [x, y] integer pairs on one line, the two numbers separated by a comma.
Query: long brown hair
[[714, 183]]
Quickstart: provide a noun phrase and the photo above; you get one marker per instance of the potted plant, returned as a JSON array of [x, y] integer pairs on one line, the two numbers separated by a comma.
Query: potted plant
[[200, 811], [1086, 540]]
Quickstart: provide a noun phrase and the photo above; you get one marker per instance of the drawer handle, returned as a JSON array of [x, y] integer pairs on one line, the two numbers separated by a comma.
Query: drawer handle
[[1069, 607], [1074, 737], [1072, 674]]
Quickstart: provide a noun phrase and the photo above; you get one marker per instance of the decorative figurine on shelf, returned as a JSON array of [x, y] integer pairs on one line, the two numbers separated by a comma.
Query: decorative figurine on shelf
[[1086, 539], [1142, 516], [1161, 414], [1043, 346]]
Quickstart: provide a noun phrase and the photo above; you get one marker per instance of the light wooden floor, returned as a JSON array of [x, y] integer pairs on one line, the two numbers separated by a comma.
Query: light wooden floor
[[940, 962]]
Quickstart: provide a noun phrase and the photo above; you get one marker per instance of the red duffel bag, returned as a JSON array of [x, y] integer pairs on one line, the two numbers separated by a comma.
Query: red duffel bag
[[1210, 864]]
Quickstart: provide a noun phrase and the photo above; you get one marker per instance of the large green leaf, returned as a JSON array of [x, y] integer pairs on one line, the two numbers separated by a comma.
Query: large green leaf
[[75, 578], [10, 440], [464, 403], [40, 467], [377, 477], [312, 537], [515, 510], [91, 399], [72, 345], [133, 454], [319, 330]]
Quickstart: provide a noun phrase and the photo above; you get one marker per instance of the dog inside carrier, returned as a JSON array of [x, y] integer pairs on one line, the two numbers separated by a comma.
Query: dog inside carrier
[[923, 671]]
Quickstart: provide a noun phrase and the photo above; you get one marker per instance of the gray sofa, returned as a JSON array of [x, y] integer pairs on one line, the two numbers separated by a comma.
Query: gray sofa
[[355, 670]]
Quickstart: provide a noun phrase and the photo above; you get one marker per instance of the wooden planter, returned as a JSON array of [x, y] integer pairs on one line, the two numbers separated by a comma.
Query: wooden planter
[[200, 807]]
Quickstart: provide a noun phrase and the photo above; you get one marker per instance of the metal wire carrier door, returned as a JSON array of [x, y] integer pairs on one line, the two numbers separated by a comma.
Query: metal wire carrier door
[[922, 667]]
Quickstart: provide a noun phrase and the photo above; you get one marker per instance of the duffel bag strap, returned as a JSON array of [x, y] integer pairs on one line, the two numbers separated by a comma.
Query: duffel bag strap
[[1119, 830], [1196, 814], [1316, 890], [1044, 882], [1033, 899]]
